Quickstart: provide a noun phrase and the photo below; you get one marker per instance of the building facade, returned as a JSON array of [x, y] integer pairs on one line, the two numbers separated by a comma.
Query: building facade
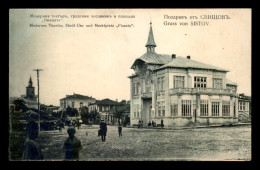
[[179, 91], [244, 108], [76, 101], [105, 109]]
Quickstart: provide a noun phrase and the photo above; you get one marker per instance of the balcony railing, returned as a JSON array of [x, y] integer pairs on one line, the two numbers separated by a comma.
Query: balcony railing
[[202, 91]]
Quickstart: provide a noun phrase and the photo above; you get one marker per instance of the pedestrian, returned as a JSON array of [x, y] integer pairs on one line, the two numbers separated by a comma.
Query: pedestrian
[[31, 150], [139, 123], [120, 131], [162, 125], [103, 130], [72, 145], [78, 124]]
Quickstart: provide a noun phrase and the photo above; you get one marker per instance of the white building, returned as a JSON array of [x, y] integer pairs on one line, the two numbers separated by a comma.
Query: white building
[[76, 101], [180, 91]]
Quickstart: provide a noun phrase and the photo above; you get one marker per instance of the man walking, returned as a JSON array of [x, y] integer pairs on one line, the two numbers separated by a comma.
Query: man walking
[[103, 130], [120, 130]]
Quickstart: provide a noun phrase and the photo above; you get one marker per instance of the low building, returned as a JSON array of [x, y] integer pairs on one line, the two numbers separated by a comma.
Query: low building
[[105, 109], [244, 108], [76, 101]]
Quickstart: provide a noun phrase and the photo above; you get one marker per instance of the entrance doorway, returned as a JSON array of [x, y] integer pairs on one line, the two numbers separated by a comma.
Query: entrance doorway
[[146, 113]]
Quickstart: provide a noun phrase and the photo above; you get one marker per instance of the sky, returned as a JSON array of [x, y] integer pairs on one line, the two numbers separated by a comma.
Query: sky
[[96, 61]]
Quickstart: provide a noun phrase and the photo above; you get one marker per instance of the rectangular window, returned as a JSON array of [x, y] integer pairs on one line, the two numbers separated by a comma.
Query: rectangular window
[[163, 80], [134, 107], [137, 88], [217, 83], [174, 109], [215, 108], [81, 104], [134, 88], [138, 110], [178, 81], [161, 108], [200, 82], [160, 83], [186, 108], [225, 108], [204, 108], [72, 103]]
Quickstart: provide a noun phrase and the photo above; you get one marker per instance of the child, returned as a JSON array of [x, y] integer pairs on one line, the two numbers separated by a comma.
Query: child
[[72, 145], [120, 130]]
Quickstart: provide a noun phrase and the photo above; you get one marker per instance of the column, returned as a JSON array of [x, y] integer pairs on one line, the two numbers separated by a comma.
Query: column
[[236, 107], [154, 97], [231, 106], [209, 106], [220, 106], [179, 105], [131, 101], [166, 95], [198, 105]]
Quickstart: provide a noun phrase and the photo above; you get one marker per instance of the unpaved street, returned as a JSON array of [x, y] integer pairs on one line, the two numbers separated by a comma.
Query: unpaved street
[[221, 143]]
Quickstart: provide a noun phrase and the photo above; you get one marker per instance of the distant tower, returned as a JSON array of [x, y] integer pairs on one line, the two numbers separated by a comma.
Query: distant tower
[[150, 45], [30, 95]]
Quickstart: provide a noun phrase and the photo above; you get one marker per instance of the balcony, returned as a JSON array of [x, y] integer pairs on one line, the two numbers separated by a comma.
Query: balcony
[[211, 91], [147, 95]]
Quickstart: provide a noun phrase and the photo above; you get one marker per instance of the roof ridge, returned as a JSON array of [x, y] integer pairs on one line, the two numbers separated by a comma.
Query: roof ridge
[[187, 63]]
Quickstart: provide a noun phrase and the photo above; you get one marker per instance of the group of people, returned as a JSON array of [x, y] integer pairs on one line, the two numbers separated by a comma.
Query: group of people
[[71, 147]]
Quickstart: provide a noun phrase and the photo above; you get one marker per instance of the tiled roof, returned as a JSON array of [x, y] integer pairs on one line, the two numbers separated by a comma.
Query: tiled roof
[[182, 62], [77, 96], [154, 58], [231, 82]]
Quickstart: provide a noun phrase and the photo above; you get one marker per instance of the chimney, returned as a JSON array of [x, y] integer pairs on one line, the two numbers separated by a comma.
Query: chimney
[[173, 56], [188, 57]]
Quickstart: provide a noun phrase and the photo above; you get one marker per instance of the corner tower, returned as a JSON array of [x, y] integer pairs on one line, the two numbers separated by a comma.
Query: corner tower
[[150, 45]]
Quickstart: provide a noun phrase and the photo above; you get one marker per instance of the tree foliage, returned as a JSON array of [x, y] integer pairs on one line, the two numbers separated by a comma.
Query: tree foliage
[[84, 114], [20, 105], [71, 112]]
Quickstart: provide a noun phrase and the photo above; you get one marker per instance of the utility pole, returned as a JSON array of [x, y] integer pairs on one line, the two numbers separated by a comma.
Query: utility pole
[[39, 124]]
